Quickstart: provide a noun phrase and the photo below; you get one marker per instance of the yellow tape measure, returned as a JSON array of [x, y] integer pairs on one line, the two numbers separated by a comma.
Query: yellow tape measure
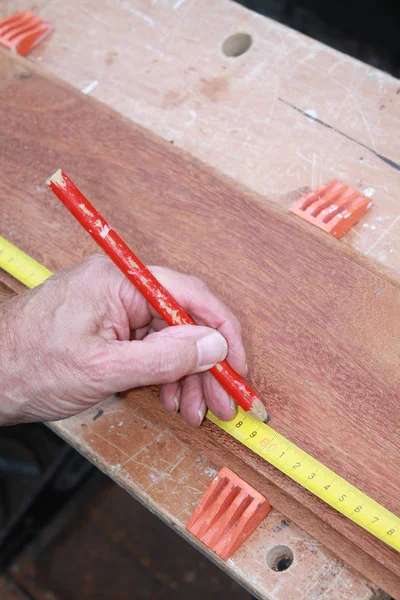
[[21, 265], [261, 438], [314, 476]]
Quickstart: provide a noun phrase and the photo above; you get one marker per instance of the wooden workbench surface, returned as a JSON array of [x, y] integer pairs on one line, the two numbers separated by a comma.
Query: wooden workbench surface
[[253, 117]]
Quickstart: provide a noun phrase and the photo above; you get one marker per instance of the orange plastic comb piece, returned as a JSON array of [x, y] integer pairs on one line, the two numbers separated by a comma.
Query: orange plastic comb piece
[[334, 207], [227, 514], [23, 31]]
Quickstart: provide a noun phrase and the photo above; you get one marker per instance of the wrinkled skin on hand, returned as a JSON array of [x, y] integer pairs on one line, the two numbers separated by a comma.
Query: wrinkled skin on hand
[[87, 333]]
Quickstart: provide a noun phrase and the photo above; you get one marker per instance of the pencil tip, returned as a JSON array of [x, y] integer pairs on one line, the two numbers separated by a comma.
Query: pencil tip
[[259, 411]]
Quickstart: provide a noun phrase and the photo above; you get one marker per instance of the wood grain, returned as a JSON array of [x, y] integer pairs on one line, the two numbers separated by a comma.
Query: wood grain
[[253, 118], [321, 323]]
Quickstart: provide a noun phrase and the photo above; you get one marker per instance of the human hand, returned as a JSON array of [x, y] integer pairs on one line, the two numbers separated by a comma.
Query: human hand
[[87, 333]]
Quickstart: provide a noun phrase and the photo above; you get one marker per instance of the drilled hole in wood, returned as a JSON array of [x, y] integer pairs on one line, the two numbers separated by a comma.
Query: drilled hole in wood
[[236, 44], [279, 558]]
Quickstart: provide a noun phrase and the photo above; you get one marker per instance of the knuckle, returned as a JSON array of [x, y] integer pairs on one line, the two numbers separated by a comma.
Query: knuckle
[[99, 271], [98, 262], [173, 362], [198, 284], [89, 269], [169, 360]]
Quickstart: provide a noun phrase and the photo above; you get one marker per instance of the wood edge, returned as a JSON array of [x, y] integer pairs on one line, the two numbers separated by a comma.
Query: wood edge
[[148, 503], [350, 553], [9, 286], [385, 578], [276, 486], [300, 507]]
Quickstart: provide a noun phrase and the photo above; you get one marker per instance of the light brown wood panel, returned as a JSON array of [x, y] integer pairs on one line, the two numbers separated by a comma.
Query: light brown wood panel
[[321, 323]]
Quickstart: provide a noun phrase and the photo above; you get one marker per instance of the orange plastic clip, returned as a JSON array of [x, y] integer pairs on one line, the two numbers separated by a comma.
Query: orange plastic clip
[[334, 207], [227, 514], [23, 31]]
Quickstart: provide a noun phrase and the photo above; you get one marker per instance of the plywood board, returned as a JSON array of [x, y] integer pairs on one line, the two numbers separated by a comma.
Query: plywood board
[[322, 343]]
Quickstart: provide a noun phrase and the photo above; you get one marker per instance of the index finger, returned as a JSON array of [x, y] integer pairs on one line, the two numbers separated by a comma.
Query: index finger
[[206, 309]]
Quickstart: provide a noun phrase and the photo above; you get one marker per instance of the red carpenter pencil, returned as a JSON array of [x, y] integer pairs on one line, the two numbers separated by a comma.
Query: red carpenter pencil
[[147, 284]]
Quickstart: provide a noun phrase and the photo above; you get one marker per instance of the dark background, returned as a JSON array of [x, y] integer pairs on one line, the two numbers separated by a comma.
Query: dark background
[[365, 29]]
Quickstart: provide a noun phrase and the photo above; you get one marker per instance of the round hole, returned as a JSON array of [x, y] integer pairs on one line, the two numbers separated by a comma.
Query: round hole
[[237, 44], [279, 558]]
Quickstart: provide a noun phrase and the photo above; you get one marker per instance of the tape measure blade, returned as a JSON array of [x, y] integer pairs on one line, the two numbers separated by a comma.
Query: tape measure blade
[[314, 476], [21, 266]]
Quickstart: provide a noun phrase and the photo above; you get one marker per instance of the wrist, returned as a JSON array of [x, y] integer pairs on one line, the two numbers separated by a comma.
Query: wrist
[[12, 393]]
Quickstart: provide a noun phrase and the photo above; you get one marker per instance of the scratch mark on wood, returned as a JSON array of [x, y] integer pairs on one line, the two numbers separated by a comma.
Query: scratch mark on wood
[[383, 234], [385, 159], [89, 88]]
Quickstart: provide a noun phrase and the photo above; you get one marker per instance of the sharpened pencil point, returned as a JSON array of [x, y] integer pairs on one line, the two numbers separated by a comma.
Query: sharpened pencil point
[[259, 411]]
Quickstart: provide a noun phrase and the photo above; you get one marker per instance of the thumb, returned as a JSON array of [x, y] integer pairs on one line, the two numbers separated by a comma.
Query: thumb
[[165, 356]]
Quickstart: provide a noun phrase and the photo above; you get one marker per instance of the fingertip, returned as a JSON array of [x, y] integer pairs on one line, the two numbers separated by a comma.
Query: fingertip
[[236, 356], [177, 398], [192, 405], [176, 401], [211, 349], [170, 394], [234, 409], [202, 412], [218, 400], [231, 330]]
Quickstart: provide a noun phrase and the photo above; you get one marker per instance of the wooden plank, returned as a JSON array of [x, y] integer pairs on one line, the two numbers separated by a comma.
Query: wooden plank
[[309, 305]]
